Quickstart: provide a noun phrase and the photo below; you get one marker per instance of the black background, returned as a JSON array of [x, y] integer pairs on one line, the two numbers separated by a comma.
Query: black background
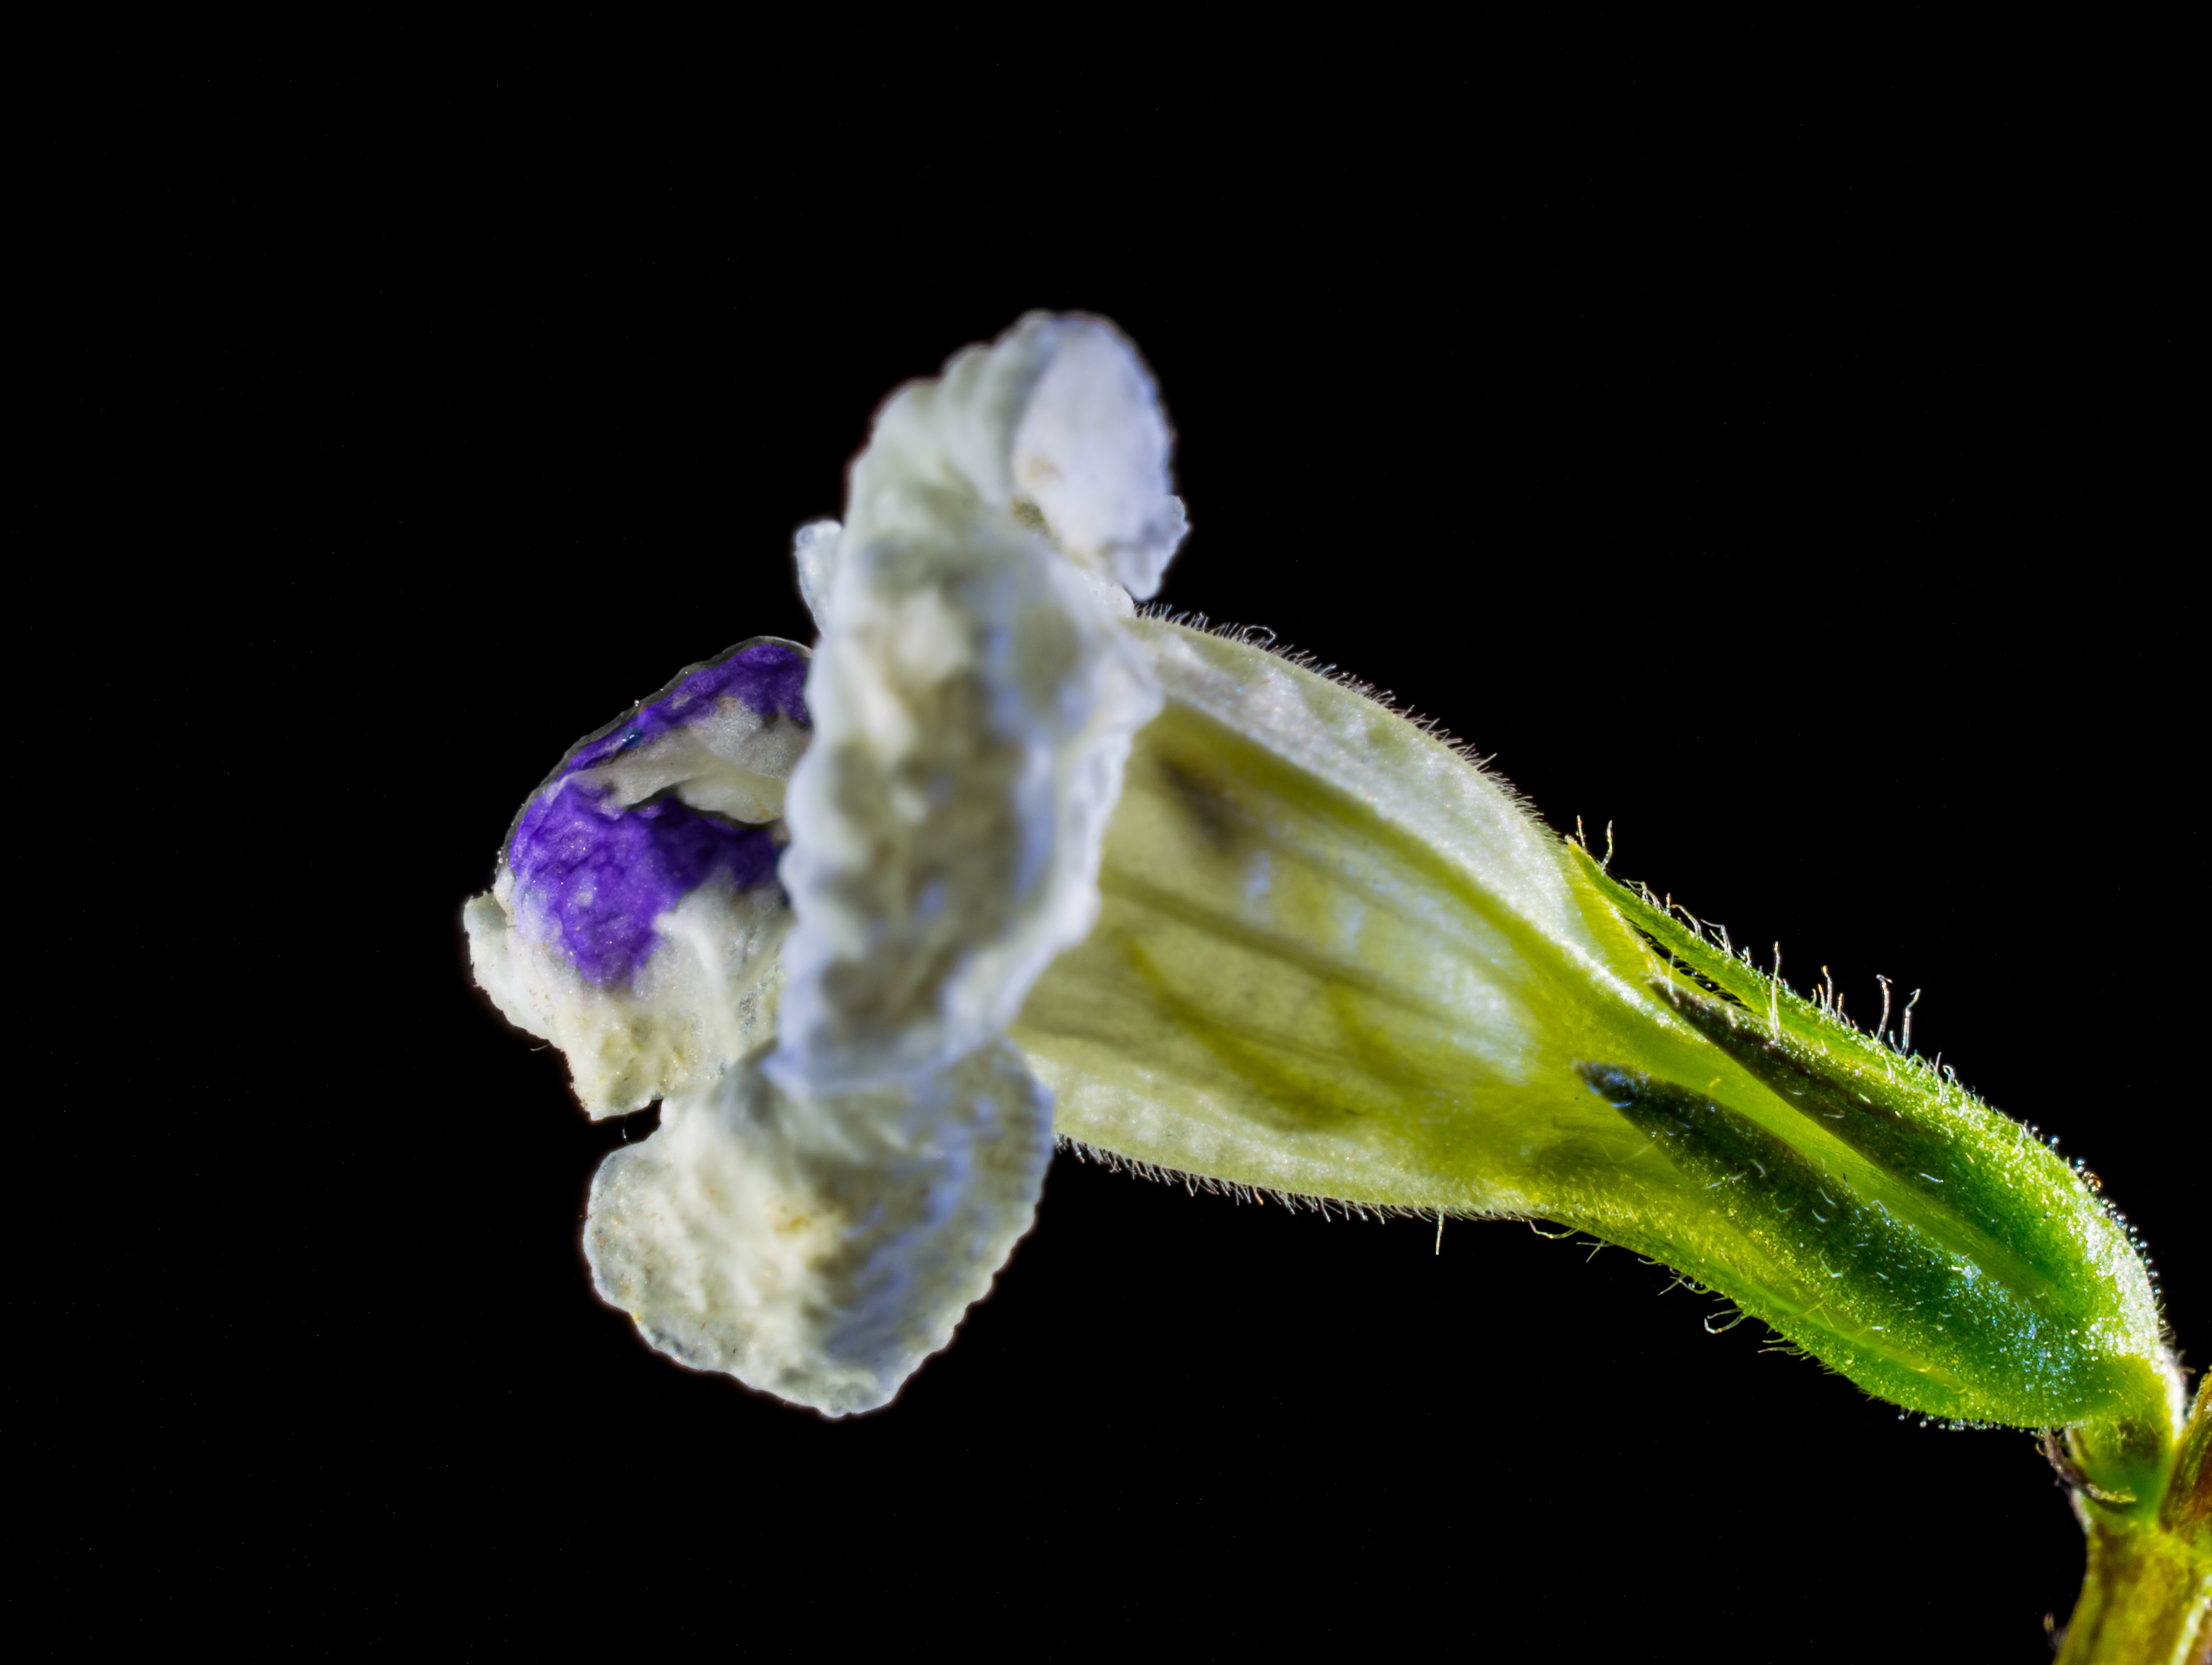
[[1794, 484]]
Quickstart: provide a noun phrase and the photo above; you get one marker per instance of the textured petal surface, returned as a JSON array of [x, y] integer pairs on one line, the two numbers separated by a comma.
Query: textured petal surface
[[975, 693], [704, 997], [820, 1248], [1091, 452], [976, 702], [635, 917], [1057, 423]]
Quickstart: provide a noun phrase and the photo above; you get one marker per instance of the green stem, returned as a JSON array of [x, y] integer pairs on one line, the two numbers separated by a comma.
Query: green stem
[[2148, 1593], [2142, 1603]]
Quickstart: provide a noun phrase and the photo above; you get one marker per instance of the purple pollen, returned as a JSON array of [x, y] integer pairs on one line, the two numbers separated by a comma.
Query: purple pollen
[[596, 874]]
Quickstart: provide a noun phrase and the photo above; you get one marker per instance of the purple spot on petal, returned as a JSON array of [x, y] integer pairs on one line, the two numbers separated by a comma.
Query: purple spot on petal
[[594, 875], [601, 874]]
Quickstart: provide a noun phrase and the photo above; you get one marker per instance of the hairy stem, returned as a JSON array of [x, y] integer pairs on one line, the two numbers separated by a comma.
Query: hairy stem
[[2147, 1596]]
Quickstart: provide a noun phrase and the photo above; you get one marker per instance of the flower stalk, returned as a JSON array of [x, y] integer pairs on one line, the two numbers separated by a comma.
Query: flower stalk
[[2146, 1594]]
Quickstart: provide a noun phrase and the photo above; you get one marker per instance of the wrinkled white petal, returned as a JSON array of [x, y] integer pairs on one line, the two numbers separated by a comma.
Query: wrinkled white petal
[[1091, 452], [974, 705], [974, 699], [821, 1248], [706, 998], [1056, 422]]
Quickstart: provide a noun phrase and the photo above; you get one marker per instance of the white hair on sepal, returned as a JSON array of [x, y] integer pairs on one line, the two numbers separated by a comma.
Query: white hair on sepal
[[1292, 1201]]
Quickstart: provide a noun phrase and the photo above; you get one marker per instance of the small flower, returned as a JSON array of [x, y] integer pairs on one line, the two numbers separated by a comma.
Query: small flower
[[1049, 867]]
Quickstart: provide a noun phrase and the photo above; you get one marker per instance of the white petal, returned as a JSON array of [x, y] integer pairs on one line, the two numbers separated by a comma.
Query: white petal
[[1091, 452], [821, 1248], [814, 551], [1057, 423], [705, 998], [974, 705], [973, 702]]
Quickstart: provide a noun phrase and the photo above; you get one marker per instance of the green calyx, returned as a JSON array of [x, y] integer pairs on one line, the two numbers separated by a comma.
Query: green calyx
[[1334, 959], [1969, 1271]]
